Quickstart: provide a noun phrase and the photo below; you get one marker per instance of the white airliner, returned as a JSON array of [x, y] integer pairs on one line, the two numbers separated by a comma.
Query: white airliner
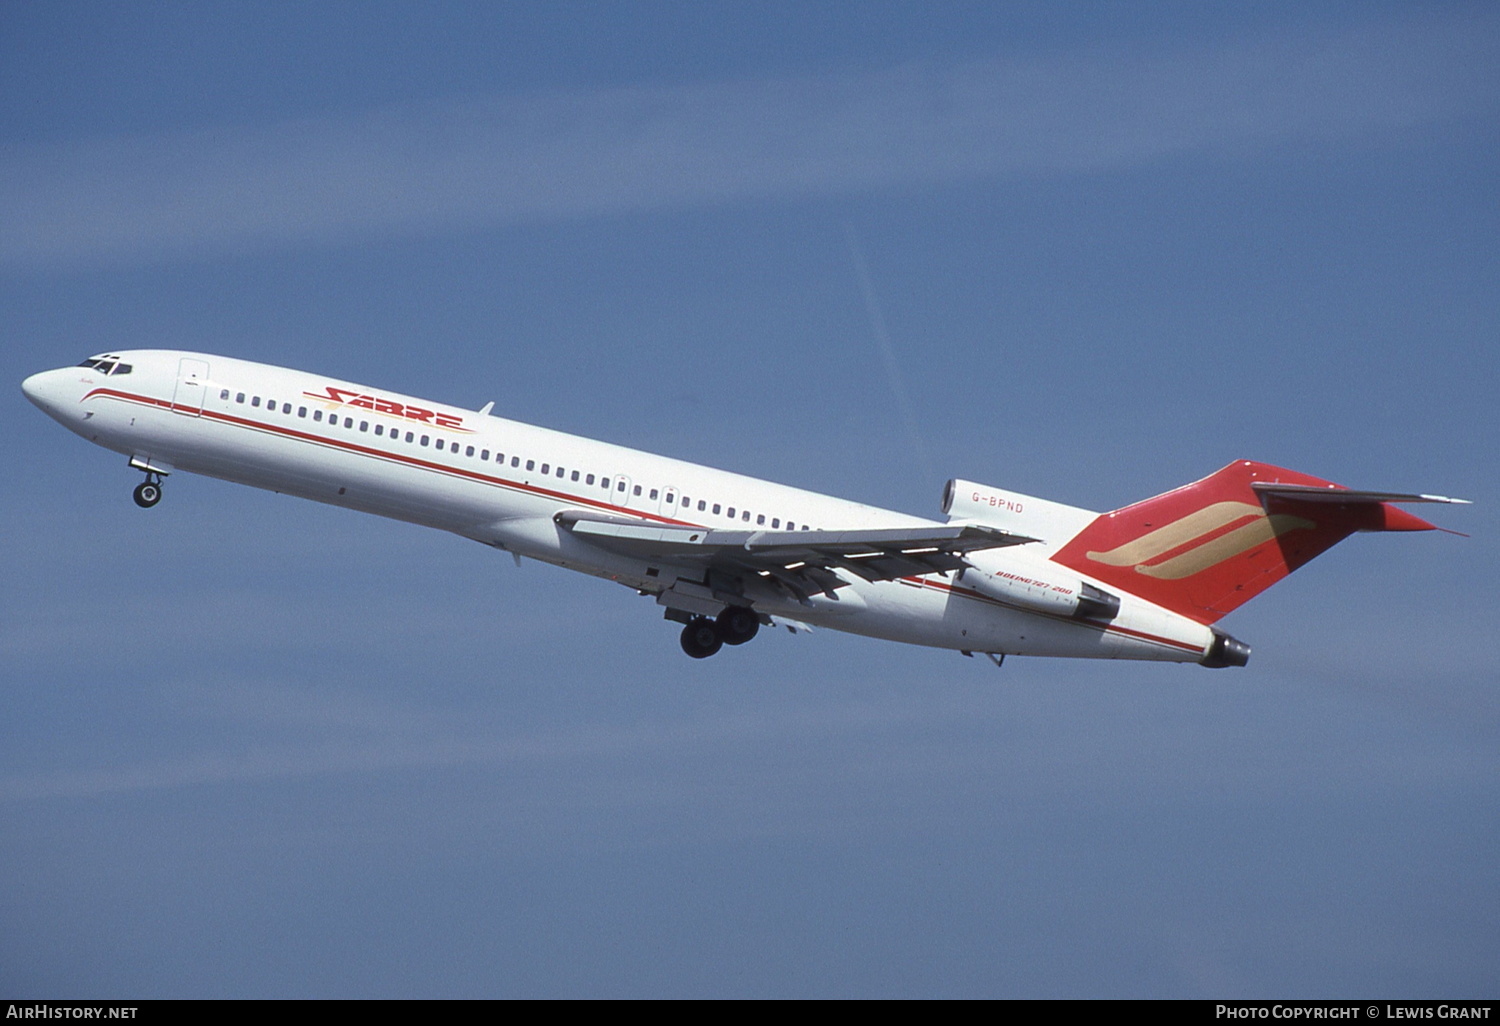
[[1005, 574]]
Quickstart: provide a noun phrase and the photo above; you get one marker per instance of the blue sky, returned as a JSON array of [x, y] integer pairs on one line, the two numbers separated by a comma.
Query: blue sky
[[256, 747]]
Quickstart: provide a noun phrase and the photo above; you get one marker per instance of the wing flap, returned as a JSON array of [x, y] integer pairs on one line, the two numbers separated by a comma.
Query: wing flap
[[803, 561]]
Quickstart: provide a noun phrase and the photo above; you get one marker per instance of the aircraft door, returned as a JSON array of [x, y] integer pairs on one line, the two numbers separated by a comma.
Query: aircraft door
[[192, 382], [668, 507], [621, 496]]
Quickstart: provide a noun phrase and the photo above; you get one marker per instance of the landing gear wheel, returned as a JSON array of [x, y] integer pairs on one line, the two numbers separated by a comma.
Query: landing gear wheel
[[737, 625], [147, 494], [700, 638]]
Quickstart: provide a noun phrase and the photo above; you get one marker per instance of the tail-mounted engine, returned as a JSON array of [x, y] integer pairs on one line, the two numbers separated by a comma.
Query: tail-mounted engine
[[1052, 522], [1040, 590], [1035, 584]]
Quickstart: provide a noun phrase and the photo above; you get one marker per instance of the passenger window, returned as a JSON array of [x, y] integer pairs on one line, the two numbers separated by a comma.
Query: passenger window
[[604, 483], [760, 519], [775, 521], [745, 516], [561, 472], [716, 509], [364, 425], [240, 397], [379, 430], [484, 454], [426, 439], [302, 411], [286, 407], [255, 401], [317, 414], [790, 526], [731, 512], [408, 436], [574, 477], [700, 505], [469, 451], [620, 486], [546, 469], [589, 479], [515, 461], [637, 489], [224, 394], [531, 464], [653, 495]]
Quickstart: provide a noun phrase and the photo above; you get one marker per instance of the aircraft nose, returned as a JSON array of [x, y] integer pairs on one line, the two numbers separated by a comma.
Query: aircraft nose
[[45, 389]]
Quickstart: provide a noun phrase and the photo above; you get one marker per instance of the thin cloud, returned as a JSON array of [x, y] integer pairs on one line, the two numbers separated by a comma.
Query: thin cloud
[[360, 735], [457, 165]]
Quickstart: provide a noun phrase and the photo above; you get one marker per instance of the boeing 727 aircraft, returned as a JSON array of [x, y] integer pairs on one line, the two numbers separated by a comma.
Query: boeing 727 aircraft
[[1004, 574]]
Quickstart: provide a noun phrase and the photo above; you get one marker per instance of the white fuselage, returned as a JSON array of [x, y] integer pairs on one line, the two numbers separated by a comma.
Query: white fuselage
[[501, 482]]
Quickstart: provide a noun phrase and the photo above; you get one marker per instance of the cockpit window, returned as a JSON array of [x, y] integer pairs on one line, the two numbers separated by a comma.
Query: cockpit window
[[106, 365]]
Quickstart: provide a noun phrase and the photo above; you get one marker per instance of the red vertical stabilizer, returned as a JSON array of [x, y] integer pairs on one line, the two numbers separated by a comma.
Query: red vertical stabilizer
[[1207, 548]]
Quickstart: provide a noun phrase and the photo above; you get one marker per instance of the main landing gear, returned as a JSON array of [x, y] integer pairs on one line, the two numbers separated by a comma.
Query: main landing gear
[[703, 637], [148, 493]]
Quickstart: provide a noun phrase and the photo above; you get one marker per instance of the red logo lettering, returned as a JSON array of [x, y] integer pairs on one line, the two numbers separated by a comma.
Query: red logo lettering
[[344, 397]]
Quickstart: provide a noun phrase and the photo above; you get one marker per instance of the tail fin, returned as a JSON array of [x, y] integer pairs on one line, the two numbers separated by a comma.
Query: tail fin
[[1207, 548]]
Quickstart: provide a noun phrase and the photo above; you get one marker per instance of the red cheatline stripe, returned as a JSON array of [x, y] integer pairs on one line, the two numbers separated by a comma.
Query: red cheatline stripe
[[1110, 629], [393, 457], [522, 487]]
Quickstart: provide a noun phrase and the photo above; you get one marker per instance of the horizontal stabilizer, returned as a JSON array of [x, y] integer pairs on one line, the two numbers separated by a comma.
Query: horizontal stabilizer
[[1333, 493]]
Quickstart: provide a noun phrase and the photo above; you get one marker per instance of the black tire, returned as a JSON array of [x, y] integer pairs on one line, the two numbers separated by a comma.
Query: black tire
[[147, 495], [737, 625], [700, 638]]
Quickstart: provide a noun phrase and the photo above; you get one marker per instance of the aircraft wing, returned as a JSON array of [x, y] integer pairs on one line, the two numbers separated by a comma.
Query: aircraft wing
[[803, 561]]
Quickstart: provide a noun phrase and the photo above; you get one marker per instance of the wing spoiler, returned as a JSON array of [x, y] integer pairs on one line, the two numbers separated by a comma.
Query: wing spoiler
[[803, 561]]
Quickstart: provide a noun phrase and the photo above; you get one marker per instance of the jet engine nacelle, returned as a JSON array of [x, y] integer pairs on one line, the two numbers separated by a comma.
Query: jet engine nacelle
[[1051, 522], [1042, 590], [1030, 580]]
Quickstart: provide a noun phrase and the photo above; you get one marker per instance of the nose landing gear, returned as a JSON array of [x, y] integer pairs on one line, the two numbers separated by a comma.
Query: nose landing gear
[[148, 493]]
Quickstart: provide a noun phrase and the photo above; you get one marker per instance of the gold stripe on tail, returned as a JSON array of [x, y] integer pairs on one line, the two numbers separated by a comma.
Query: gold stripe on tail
[[1227, 546], [1179, 532]]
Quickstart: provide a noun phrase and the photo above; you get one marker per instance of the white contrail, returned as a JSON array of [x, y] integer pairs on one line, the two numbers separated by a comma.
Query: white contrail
[[893, 375]]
